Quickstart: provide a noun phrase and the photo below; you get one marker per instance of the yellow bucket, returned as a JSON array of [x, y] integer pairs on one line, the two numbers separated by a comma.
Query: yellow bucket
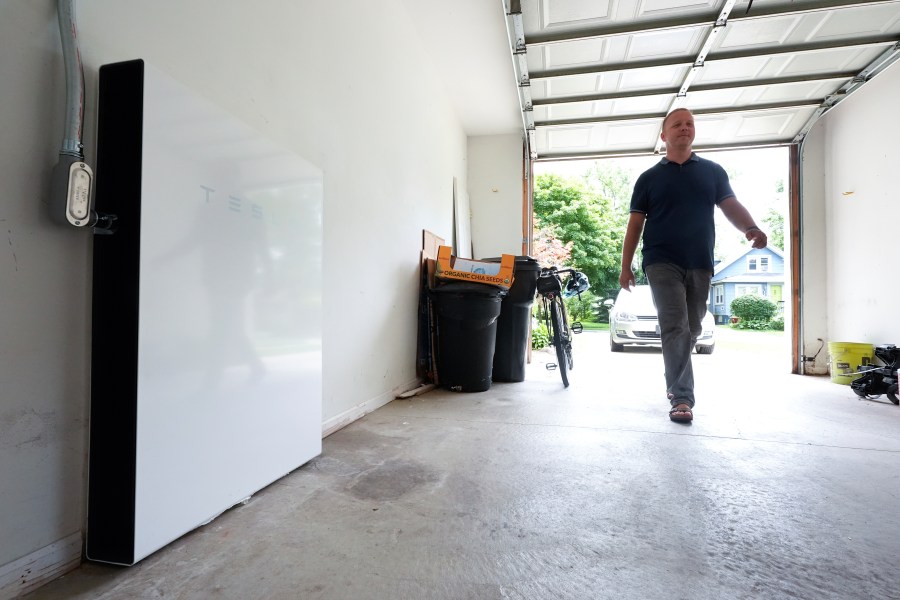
[[845, 359]]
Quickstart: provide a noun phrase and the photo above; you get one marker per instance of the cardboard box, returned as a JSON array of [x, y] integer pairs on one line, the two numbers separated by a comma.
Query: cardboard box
[[450, 267]]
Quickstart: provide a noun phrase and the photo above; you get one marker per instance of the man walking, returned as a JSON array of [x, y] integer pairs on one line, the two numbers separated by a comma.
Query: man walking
[[673, 205]]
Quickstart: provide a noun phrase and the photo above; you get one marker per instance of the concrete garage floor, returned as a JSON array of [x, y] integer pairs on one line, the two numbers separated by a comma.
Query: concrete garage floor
[[783, 487]]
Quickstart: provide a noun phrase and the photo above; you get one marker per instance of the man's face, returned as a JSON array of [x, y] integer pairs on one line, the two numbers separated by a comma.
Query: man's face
[[678, 130]]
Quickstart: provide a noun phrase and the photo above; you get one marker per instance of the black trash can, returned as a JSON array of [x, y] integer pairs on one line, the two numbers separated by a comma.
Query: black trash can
[[466, 333], [515, 321]]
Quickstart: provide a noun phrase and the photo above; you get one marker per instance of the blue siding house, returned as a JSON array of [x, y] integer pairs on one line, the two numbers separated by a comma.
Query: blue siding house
[[759, 272]]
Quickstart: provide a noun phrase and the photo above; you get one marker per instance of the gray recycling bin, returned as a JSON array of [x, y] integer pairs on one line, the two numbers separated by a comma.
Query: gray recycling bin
[[466, 315], [514, 322]]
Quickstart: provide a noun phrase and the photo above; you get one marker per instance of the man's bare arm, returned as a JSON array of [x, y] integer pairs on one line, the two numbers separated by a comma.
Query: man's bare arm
[[629, 247], [740, 217]]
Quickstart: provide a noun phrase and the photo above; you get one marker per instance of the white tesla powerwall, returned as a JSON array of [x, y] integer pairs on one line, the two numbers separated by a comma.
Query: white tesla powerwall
[[207, 302]]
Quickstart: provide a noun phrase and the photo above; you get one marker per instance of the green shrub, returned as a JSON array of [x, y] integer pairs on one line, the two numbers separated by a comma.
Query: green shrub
[[581, 309], [777, 324], [752, 325], [539, 337], [752, 308]]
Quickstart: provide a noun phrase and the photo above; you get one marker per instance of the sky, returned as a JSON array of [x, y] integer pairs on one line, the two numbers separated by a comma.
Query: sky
[[754, 177]]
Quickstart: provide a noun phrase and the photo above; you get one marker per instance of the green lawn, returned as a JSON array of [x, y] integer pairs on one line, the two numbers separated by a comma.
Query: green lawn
[[605, 327], [595, 326], [769, 331]]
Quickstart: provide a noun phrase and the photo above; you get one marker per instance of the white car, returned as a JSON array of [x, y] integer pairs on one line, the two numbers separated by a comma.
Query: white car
[[633, 320]]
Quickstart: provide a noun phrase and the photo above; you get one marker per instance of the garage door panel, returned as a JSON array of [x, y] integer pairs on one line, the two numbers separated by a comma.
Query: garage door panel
[[606, 73]]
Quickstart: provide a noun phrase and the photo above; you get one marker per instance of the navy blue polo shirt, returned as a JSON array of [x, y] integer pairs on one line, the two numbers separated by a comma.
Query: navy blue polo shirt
[[679, 202]]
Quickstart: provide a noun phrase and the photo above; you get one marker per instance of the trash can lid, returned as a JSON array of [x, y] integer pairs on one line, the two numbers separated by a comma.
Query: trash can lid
[[522, 263]]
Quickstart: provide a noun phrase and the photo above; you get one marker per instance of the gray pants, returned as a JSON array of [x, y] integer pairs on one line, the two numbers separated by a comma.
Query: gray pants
[[680, 296]]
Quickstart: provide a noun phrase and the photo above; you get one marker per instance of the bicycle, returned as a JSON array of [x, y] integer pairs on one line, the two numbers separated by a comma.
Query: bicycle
[[552, 291]]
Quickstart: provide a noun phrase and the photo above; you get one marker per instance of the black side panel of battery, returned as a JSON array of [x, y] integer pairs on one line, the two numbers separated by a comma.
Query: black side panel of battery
[[114, 363]]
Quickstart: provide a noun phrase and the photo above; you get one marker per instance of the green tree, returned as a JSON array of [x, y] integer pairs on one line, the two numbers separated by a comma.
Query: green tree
[[611, 182], [588, 221], [774, 221], [581, 308], [616, 183]]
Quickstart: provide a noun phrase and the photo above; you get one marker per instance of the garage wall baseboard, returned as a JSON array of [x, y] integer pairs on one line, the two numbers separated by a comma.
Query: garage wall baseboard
[[41, 566], [360, 410]]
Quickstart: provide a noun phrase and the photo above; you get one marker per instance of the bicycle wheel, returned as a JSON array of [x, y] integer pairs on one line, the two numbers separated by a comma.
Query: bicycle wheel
[[561, 340], [566, 334]]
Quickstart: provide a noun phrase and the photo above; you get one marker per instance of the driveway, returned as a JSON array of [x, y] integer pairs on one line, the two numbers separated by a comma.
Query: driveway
[[743, 389]]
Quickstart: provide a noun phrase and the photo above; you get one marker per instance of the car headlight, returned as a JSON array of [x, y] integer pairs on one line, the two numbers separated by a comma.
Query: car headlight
[[625, 316]]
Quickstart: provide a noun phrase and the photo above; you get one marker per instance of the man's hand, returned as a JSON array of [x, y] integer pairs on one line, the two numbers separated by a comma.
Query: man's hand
[[757, 237], [626, 279]]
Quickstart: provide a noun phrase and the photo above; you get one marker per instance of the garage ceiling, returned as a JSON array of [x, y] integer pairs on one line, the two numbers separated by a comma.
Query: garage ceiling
[[597, 77]]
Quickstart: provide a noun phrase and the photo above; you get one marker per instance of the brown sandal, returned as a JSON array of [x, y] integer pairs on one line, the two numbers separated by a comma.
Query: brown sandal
[[681, 415]]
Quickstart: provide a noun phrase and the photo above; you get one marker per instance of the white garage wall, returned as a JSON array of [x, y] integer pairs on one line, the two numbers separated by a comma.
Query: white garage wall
[[44, 320], [852, 218], [495, 189], [349, 90]]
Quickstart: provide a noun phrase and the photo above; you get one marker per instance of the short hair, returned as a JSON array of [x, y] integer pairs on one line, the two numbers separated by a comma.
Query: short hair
[[672, 112]]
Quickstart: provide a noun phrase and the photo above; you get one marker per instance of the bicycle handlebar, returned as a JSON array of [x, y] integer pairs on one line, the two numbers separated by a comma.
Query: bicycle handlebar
[[556, 270], [576, 283]]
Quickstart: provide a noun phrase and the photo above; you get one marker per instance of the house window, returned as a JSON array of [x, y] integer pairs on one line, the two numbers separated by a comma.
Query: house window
[[719, 293], [743, 290], [757, 264]]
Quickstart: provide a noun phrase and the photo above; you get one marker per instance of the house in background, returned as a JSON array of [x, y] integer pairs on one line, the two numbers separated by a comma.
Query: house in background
[[756, 271]]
